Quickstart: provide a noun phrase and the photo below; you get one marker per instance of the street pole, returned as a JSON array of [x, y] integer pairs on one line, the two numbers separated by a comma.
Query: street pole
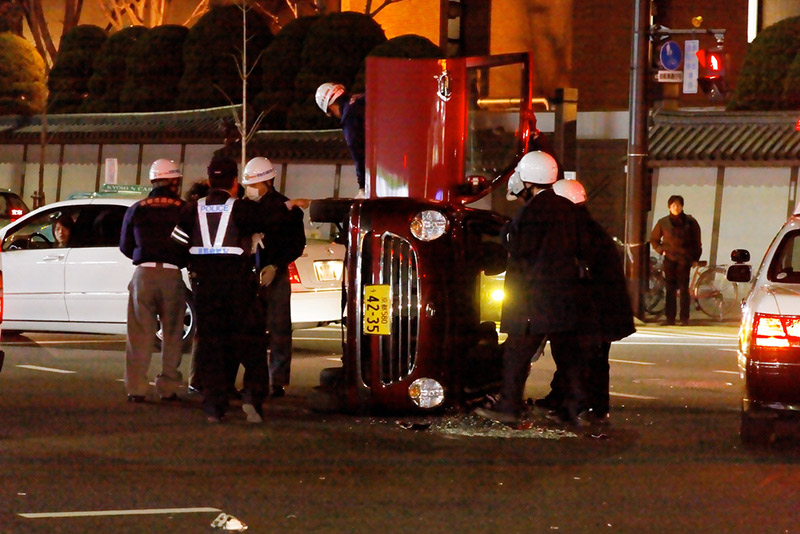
[[635, 258]]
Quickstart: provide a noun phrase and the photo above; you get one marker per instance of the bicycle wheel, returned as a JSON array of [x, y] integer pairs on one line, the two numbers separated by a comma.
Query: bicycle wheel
[[656, 293], [716, 296]]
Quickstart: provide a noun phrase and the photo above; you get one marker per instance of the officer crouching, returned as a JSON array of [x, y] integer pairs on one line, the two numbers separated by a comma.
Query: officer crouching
[[217, 231]]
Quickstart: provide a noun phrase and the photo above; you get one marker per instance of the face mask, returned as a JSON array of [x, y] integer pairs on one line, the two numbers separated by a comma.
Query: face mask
[[252, 193]]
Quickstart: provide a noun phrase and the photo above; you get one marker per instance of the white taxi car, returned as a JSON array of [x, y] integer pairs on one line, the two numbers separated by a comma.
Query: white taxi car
[[769, 335], [84, 287]]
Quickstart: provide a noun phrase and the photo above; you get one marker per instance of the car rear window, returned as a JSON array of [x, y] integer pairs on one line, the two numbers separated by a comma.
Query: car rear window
[[785, 265]]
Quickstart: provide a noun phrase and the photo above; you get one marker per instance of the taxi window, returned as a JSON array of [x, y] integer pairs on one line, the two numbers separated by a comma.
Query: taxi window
[[785, 265], [38, 232]]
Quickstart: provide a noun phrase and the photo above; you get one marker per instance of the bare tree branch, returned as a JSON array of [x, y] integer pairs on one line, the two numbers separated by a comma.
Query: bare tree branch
[[380, 7]]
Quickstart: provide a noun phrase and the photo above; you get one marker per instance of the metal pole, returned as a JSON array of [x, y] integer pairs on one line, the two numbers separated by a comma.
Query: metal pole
[[635, 258]]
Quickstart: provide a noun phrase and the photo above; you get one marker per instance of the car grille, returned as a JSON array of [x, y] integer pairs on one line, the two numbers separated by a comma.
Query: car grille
[[397, 352]]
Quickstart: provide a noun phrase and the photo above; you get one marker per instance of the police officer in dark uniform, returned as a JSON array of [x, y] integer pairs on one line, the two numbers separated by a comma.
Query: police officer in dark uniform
[[272, 259], [218, 231], [156, 291]]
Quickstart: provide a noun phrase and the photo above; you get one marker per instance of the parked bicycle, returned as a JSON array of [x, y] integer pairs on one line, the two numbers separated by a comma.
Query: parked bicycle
[[710, 291]]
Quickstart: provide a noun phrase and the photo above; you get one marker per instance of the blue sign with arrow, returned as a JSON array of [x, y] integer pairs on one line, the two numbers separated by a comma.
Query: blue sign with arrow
[[670, 55]]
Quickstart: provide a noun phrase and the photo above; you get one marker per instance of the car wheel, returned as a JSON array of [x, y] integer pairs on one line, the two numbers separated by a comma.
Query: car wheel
[[332, 210], [189, 327], [757, 430]]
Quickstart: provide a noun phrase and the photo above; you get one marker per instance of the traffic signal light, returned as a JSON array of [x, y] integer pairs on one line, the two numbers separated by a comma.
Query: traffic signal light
[[712, 72]]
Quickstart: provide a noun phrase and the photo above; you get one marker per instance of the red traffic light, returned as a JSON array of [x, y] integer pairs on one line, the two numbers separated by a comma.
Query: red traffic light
[[712, 72]]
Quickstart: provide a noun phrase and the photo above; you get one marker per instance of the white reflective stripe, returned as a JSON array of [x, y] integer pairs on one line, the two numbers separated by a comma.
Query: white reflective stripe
[[216, 250], [202, 214]]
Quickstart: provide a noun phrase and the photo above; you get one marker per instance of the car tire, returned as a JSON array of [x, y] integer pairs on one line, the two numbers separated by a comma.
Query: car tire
[[756, 430], [189, 326], [331, 210]]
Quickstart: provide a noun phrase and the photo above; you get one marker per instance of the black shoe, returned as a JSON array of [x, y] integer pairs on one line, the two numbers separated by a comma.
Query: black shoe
[[277, 392], [669, 322], [234, 394], [561, 417], [506, 418], [685, 323], [136, 398], [171, 398]]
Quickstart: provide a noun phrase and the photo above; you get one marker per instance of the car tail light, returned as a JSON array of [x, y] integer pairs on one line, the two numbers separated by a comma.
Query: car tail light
[[294, 276], [776, 331]]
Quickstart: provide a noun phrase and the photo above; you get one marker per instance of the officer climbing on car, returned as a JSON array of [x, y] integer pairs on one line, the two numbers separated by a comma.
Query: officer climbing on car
[[333, 100]]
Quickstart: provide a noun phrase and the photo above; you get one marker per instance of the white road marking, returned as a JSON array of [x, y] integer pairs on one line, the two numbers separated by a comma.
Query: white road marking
[[48, 369], [98, 513], [64, 341], [726, 372], [630, 361], [631, 396], [676, 343]]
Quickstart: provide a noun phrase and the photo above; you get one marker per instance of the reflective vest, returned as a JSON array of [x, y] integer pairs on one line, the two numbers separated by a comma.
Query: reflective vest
[[226, 240]]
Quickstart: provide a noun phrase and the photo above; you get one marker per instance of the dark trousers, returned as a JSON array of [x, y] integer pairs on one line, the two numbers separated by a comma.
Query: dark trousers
[[595, 377], [228, 334], [276, 300], [676, 276]]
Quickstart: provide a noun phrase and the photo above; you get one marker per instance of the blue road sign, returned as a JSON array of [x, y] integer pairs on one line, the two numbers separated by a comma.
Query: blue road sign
[[670, 55]]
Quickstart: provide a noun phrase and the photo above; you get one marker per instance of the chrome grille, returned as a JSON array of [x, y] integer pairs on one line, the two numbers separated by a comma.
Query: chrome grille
[[397, 352]]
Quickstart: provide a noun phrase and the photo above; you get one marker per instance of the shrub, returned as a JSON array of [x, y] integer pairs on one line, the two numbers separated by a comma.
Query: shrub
[[22, 86], [69, 79]]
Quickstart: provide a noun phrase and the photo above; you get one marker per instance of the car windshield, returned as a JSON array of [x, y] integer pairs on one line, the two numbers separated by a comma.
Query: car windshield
[[785, 265]]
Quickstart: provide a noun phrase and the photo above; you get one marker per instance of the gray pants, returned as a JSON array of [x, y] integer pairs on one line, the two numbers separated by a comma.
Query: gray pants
[[154, 293], [276, 299]]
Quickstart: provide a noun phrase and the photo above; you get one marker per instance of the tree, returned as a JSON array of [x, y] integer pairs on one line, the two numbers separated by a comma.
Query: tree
[[68, 81], [280, 64], [11, 17], [334, 50], [22, 86], [122, 13], [37, 23], [211, 74], [109, 72], [760, 85], [153, 70], [403, 46]]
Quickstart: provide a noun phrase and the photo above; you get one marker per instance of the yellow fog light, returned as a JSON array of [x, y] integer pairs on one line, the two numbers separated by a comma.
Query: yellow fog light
[[426, 393]]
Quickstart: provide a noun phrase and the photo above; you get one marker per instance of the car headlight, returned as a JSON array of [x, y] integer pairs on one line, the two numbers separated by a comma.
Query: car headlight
[[428, 225], [426, 393]]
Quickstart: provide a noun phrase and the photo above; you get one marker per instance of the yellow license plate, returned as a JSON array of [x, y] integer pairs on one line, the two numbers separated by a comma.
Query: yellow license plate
[[377, 310]]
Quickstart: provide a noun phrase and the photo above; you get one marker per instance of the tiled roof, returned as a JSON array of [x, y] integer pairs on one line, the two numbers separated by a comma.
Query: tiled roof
[[710, 138], [194, 126]]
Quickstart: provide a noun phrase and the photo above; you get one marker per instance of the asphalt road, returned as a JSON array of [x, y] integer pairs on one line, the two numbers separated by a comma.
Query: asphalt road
[[76, 458]]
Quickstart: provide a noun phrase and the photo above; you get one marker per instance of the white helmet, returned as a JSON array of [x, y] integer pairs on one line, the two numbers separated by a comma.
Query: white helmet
[[164, 169], [327, 93], [258, 170], [538, 168], [570, 189]]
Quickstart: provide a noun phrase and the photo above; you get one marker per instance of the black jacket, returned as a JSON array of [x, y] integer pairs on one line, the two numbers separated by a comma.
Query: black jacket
[[286, 244], [542, 290]]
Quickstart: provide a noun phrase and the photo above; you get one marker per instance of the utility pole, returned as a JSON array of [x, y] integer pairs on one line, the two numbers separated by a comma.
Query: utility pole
[[635, 250]]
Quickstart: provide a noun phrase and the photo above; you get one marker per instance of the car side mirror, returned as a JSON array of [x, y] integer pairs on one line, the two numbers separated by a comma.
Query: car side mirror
[[740, 255], [739, 273]]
